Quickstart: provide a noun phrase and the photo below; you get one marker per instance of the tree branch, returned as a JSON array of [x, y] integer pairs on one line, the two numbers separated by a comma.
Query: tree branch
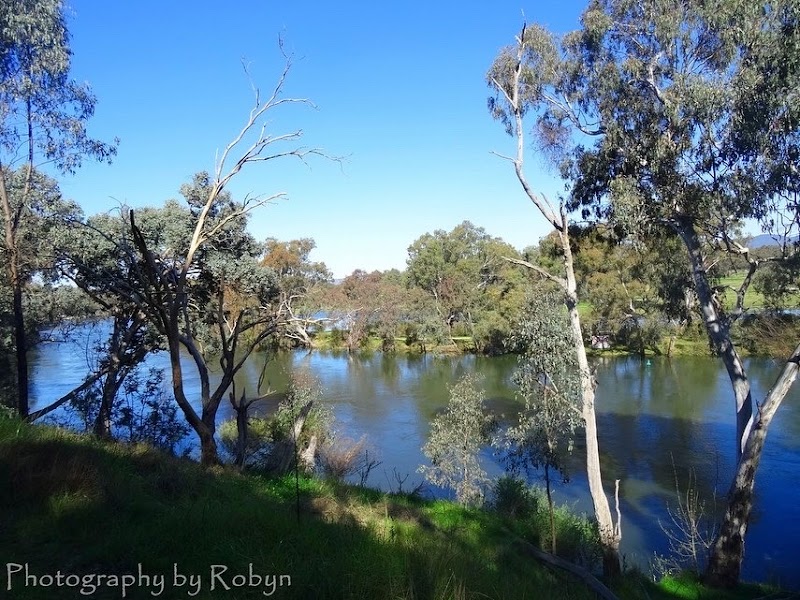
[[543, 272]]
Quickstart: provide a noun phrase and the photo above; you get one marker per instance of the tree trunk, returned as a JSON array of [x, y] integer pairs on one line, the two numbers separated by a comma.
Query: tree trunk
[[727, 554], [102, 424], [21, 350], [10, 220], [718, 328], [610, 534], [725, 562], [208, 448], [308, 457], [242, 433], [552, 509]]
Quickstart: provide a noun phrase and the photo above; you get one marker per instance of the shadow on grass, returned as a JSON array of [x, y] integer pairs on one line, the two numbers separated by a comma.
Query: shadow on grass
[[75, 505]]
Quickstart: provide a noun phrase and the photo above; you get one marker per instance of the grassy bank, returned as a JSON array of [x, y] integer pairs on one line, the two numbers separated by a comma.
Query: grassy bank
[[72, 504]]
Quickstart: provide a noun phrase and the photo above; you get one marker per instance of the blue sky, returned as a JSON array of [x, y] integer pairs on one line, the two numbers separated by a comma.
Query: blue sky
[[400, 93]]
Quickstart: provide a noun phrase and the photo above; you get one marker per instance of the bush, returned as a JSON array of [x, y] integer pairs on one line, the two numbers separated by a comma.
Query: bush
[[768, 333], [578, 537], [512, 498], [342, 457], [259, 439], [264, 432], [336, 338], [141, 412]]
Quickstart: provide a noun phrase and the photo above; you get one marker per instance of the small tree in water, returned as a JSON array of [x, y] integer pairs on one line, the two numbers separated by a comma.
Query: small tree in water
[[457, 436], [549, 385]]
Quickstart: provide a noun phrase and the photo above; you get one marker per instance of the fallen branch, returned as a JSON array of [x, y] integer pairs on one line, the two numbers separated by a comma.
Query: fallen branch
[[554, 561]]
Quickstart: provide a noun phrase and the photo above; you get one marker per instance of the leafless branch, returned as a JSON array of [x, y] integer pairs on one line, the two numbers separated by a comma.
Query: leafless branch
[[543, 272]]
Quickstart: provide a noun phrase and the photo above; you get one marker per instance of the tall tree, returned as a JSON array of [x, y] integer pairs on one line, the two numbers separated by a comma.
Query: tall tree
[[369, 304], [513, 78], [43, 117], [204, 290], [196, 286], [464, 273], [682, 116]]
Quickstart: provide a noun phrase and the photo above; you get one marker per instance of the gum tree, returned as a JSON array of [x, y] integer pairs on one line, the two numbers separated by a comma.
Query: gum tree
[[516, 79], [208, 290], [549, 386], [457, 436], [43, 115], [681, 118]]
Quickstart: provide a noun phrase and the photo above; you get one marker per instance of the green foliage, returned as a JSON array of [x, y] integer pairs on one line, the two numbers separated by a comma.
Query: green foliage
[[548, 381], [768, 333], [35, 87], [259, 439], [369, 304], [302, 389], [301, 282], [513, 498], [336, 337], [94, 505], [528, 510], [778, 284], [457, 436], [143, 412], [264, 432], [470, 285], [106, 506]]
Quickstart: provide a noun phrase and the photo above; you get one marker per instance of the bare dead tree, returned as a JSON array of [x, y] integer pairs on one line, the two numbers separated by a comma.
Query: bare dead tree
[[167, 292]]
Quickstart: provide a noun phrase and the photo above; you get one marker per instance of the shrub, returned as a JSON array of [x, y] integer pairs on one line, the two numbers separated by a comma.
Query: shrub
[[337, 338], [341, 457], [512, 498], [457, 436], [264, 432]]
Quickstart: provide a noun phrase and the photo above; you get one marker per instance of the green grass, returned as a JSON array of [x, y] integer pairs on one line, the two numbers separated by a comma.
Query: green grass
[[70, 503], [752, 298], [77, 505]]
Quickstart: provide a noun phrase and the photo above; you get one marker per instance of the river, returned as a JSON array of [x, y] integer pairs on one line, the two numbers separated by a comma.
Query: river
[[661, 421]]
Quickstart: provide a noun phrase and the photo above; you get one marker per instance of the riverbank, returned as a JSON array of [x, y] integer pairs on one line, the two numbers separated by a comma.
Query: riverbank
[[757, 339], [73, 504]]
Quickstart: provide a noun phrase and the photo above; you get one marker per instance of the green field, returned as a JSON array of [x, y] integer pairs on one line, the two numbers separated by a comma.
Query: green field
[[752, 299]]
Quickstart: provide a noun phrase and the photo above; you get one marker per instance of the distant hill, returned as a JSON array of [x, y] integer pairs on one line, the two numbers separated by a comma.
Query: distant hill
[[765, 239]]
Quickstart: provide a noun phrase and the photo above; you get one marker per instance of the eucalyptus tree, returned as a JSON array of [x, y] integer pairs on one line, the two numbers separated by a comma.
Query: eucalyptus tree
[[513, 77], [97, 256], [548, 383], [207, 292], [203, 289], [43, 115], [368, 304], [464, 273], [681, 116], [456, 438]]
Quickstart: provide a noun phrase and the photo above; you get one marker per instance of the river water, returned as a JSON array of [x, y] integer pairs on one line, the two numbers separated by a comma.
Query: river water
[[661, 422]]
